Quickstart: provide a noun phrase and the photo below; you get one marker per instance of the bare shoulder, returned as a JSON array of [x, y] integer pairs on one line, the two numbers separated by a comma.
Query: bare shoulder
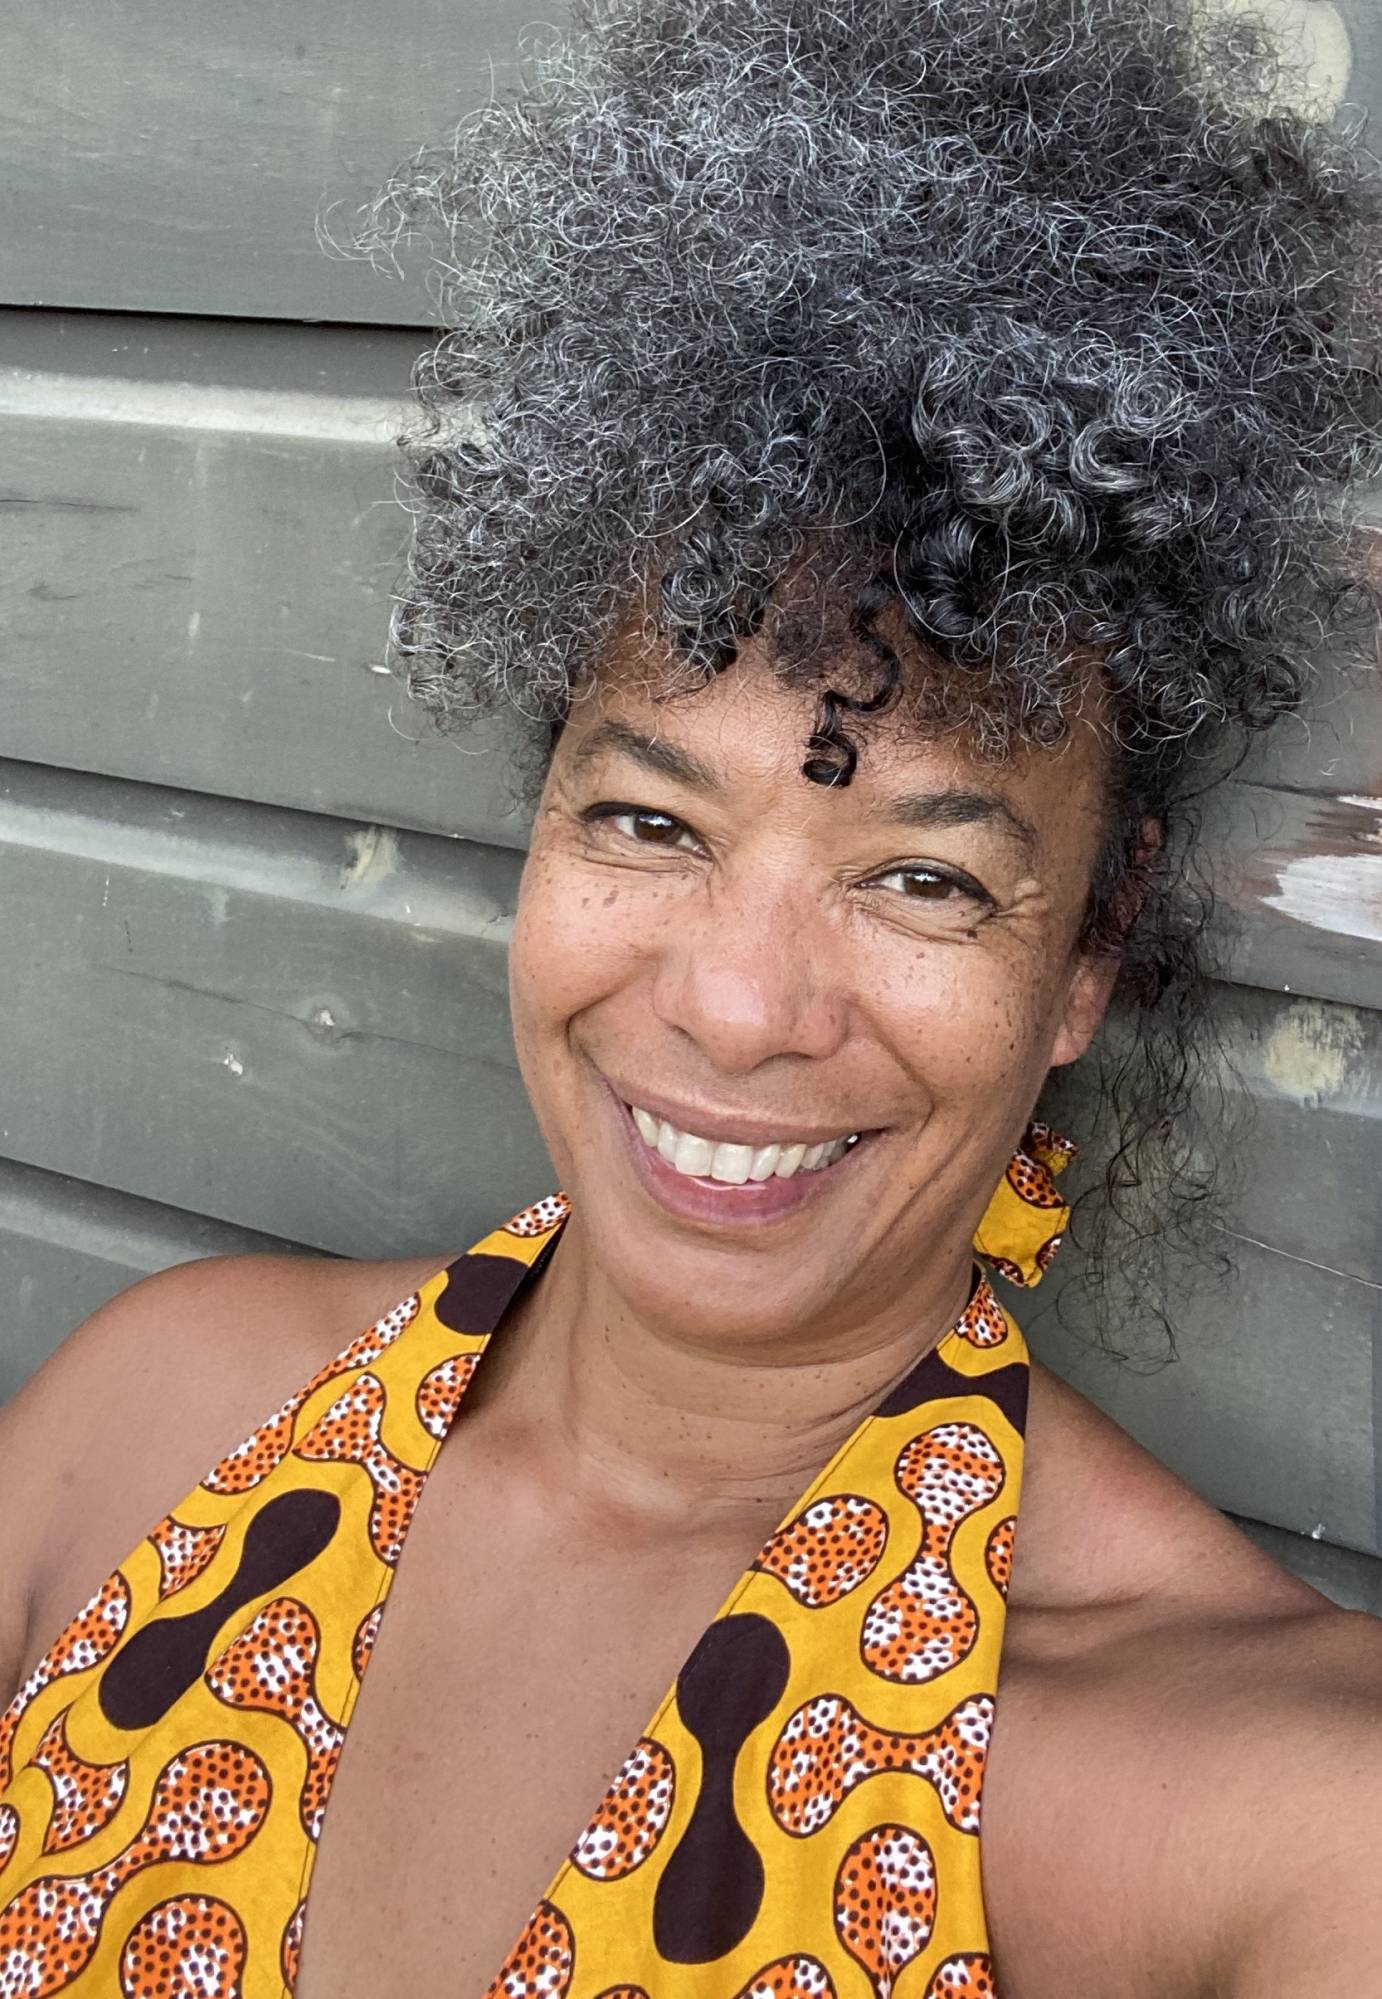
[[135, 1406], [1104, 1521], [1178, 1712]]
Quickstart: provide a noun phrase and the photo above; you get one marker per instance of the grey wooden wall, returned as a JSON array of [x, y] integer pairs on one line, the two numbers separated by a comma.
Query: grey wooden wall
[[253, 918]]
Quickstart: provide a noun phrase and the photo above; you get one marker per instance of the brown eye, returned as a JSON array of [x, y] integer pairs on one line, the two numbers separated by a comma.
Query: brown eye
[[654, 829], [642, 826], [931, 888], [923, 884]]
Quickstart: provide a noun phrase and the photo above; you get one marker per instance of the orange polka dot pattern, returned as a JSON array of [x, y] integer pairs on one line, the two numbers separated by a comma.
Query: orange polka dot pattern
[[799, 1820], [188, 1945]]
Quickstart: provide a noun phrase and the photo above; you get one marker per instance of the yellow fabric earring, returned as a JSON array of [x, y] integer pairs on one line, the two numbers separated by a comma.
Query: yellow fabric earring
[[1025, 1222]]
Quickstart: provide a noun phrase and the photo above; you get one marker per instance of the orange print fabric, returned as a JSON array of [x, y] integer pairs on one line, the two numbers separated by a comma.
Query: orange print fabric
[[801, 1817]]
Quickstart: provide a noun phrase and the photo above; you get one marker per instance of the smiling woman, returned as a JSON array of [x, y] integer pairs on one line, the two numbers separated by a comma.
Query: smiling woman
[[783, 1038], [890, 455]]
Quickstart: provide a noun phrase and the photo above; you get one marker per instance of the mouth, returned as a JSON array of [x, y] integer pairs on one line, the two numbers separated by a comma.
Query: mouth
[[730, 1164], [735, 1176]]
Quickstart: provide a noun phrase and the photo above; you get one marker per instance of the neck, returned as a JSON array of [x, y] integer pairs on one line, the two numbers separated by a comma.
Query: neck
[[643, 1415]]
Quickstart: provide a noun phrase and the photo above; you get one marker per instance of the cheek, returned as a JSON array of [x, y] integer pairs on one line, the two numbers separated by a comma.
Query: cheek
[[574, 944], [972, 1022]]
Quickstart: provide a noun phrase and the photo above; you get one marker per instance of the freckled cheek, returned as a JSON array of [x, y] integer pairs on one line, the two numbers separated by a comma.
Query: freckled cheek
[[964, 1027], [576, 942]]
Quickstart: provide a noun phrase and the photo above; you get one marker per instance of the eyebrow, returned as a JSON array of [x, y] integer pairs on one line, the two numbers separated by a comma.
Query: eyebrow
[[928, 809], [922, 809], [651, 752]]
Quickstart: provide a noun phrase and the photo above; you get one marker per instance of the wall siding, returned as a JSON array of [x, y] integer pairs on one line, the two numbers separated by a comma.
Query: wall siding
[[255, 911]]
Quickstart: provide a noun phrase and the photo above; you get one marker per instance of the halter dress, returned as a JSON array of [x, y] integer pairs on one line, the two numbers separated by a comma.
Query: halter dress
[[799, 1819]]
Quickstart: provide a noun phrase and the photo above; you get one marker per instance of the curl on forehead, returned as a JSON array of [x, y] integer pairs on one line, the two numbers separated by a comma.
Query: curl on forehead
[[894, 693]]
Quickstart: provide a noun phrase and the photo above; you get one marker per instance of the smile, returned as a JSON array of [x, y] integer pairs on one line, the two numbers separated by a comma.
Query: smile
[[706, 1158]]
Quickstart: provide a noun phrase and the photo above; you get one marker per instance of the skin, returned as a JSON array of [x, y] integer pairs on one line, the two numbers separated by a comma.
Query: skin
[[757, 949]]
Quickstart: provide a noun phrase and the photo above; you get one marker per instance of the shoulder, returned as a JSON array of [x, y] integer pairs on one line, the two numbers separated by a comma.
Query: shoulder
[[148, 1393], [1103, 1521], [1297, 1819], [1179, 1717]]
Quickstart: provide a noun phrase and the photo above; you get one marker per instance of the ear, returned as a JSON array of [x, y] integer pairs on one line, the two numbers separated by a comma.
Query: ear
[[1096, 969], [1086, 1002]]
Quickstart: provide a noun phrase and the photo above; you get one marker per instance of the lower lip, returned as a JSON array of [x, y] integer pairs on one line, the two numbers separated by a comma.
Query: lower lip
[[702, 1200]]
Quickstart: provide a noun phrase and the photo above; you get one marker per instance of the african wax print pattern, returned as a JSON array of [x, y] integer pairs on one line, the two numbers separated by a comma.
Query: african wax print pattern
[[799, 1819]]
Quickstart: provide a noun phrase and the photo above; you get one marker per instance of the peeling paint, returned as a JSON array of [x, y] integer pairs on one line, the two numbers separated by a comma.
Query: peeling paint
[[1373, 805], [1310, 1052], [1314, 38], [1338, 893], [373, 856]]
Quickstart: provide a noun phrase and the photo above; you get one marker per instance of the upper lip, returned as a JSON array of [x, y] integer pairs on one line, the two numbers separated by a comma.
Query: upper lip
[[731, 1127]]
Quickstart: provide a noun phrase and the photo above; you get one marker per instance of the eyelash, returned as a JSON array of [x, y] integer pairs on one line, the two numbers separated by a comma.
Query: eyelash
[[963, 884]]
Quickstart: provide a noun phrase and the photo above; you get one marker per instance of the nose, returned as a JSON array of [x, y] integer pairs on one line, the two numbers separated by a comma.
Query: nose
[[752, 971]]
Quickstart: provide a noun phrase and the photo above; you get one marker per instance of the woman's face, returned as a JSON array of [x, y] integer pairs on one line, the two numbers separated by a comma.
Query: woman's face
[[719, 969]]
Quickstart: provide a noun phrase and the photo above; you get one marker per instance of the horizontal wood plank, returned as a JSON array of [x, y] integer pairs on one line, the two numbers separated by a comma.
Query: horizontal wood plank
[[198, 541], [66, 1247], [158, 159], [1351, 1580], [161, 160], [1299, 875], [1269, 1409], [292, 1024]]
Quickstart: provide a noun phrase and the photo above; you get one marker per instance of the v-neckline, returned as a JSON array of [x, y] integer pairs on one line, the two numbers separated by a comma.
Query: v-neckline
[[476, 1295]]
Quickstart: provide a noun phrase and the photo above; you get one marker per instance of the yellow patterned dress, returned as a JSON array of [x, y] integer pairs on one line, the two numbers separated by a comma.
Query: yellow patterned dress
[[800, 1818]]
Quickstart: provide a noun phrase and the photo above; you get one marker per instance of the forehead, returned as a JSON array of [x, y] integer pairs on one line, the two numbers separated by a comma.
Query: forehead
[[744, 731]]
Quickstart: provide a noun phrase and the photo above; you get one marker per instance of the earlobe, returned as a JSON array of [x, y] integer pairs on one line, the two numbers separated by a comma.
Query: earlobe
[[1096, 972], [1086, 1003]]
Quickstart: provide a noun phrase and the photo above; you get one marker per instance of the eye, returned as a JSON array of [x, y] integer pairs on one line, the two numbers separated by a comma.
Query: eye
[[642, 826], [934, 885]]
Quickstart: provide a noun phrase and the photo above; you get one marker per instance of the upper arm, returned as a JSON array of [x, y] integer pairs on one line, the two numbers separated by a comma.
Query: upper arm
[[1322, 1930], [1309, 1899], [126, 1416]]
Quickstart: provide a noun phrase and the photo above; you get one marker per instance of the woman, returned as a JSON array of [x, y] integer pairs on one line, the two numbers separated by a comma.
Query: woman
[[906, 446]]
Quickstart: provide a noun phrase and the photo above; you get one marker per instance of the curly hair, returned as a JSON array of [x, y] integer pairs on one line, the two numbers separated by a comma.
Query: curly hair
[[1046, 326]]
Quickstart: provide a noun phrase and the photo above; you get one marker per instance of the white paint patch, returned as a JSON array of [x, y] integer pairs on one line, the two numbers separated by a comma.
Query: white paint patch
[[373, 856], [1338, 893], [1311, 1051], [1313, 37], [192, 406]]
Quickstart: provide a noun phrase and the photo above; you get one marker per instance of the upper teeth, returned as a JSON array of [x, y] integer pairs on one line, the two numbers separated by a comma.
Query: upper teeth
[[704, 1158]]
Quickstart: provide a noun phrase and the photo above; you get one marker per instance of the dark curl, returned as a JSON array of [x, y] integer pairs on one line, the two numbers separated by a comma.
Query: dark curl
[[1046, 327]]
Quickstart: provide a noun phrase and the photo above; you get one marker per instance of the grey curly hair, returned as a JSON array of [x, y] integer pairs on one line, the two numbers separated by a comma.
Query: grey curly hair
[[1039, 324]]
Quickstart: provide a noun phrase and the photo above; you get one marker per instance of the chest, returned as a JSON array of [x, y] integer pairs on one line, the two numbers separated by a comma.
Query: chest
[[804, 1812], [521, 1655]]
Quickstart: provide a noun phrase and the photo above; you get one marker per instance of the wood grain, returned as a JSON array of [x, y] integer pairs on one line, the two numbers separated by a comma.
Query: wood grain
[[66, 1247], [198, 540], [161, 159]]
